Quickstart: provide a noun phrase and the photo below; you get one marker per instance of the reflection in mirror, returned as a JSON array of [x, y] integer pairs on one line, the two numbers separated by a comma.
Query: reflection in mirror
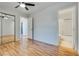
[[7, 26]]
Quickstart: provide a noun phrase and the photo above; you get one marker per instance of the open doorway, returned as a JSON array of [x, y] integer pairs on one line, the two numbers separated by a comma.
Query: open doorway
[[23, 32], [67, 30], [23, 27]]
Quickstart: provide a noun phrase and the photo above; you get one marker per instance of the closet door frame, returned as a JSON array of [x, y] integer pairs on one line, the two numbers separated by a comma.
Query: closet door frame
[[1, 30], [14, 28]]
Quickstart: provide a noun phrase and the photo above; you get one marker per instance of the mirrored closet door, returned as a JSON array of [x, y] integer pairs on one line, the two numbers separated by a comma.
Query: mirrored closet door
[[0, 30], [7, 29]]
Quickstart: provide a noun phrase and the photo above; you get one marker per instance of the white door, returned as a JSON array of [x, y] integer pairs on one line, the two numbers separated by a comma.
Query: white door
[[67, 31]]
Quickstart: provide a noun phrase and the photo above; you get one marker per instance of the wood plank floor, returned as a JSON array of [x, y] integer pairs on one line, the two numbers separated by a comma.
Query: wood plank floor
[[28, 48], [6, 38]]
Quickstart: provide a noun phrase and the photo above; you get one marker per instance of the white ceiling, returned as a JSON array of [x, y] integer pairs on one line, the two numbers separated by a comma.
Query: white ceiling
[[32, 9], [39, 6]]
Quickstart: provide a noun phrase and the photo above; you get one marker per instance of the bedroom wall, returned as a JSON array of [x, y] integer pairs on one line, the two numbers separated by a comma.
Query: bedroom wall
[[46, 24]]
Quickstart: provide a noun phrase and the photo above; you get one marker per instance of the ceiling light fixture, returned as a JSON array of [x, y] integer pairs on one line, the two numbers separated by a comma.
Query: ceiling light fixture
[[22, 5]]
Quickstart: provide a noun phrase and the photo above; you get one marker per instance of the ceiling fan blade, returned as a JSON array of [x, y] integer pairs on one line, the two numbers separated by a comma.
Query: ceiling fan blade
[[17, 6], [29, 4], [26, 8]]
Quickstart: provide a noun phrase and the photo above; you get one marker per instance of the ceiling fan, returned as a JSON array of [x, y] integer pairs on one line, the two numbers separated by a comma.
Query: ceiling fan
[[24, 5]]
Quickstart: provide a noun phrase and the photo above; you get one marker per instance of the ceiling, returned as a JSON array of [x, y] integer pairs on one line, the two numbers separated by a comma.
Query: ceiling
[[32, 9], [39, 6]]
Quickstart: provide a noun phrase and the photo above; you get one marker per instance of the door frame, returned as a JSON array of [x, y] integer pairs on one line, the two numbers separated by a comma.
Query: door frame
[[14, 28], [75, 25]]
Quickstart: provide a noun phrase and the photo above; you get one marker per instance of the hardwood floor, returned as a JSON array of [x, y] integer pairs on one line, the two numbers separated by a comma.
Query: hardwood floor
[[66, 45], [6, 38], [26, 47]]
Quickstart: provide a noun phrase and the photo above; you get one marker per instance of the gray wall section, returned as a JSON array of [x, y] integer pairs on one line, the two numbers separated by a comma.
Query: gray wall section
[[30, 27], [46, 24], [78, 27]]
